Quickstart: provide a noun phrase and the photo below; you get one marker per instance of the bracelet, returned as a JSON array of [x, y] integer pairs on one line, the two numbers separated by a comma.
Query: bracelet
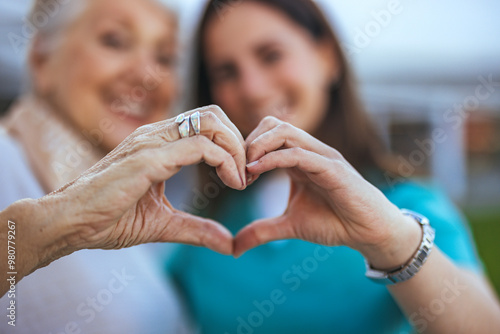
[[412, 267]]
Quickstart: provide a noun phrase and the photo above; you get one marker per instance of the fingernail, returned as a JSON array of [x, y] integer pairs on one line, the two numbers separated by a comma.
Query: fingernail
[[252, 164]]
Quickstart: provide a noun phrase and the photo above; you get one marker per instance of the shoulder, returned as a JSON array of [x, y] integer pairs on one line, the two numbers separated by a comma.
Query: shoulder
[[16, 177]]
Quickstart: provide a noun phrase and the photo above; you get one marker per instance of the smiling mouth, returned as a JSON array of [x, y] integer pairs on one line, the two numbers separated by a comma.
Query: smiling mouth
[[127, 109]]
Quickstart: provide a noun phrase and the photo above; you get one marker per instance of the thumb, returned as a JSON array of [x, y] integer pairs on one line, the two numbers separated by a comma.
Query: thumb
[[261, 232], [193, 230]]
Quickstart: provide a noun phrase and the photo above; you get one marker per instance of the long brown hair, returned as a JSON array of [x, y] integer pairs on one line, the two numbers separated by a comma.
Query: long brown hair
[[347, 127]]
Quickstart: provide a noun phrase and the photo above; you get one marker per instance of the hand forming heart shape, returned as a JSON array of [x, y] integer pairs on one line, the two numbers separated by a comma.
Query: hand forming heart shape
[[120, 202], [330, 203]]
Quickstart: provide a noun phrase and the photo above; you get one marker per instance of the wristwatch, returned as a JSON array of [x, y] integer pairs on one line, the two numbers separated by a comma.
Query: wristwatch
[[411, 268]]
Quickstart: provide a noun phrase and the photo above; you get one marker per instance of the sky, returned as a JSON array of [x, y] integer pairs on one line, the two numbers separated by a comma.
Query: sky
[[387, 41]]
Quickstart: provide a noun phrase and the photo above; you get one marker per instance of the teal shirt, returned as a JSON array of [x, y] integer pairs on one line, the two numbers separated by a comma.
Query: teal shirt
[[300, 287]]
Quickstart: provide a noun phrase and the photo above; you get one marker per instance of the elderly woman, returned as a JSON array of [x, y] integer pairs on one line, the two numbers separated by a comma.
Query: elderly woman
[[99, 69]]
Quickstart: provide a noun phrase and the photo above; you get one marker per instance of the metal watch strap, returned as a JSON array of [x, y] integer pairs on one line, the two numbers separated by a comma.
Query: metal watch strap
[[410, 269]]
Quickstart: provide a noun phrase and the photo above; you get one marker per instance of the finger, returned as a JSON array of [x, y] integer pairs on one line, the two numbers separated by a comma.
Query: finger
[[266, 124], [200, 148], [188, 229], [329, 174], [306, 161], [212, 120], [216, 126], [223, 117], [162, 163], [261, 232], [285, 135]]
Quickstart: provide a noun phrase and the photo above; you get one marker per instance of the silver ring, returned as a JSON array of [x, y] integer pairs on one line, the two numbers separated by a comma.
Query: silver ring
[[183, 123], [196, 122]]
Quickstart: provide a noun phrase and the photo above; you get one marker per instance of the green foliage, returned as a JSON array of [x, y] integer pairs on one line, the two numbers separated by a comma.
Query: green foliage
[[485, 225]]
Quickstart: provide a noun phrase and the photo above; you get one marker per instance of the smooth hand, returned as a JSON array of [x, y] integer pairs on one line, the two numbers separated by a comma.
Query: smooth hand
[[330, 203]]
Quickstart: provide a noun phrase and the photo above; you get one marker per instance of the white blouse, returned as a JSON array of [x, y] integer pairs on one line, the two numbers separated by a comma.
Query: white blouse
[[90, 291]]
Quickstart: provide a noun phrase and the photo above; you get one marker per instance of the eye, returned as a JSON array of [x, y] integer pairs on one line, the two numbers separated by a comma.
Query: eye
[[166, 60], [224, 73], [272, 56], [114, 40]]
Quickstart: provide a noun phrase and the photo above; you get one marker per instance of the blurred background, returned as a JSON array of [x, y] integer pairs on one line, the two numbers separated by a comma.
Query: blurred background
[[429, 73]]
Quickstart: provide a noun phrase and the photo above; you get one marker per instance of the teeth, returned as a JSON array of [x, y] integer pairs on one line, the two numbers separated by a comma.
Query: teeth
[[137, 110]]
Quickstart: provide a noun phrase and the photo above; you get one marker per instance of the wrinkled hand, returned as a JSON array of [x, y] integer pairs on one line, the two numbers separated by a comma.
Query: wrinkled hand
[[120, 202], [330, 203]]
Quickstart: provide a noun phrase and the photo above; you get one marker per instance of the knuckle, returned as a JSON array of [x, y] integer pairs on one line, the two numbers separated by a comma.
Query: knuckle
[[210, 117], [142, 156], [212, 125], [140, 159], [199, 142], [170, 132], [215, 109], [339, 166], [224, 159], [144, 129], [297, 151], [285, 127], [270, 120], [260, 235], [255, 145], [226, 156], [138, 144], [338, 156]]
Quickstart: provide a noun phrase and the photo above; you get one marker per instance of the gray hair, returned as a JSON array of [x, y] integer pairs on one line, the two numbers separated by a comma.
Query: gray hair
[[50, 18]]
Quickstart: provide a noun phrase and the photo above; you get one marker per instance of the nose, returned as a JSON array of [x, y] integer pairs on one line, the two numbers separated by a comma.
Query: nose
[[140, 66], [254, 84]]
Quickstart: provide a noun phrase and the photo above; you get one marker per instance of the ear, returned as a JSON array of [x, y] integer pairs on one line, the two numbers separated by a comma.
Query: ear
[[39, 64], [330, 60]]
